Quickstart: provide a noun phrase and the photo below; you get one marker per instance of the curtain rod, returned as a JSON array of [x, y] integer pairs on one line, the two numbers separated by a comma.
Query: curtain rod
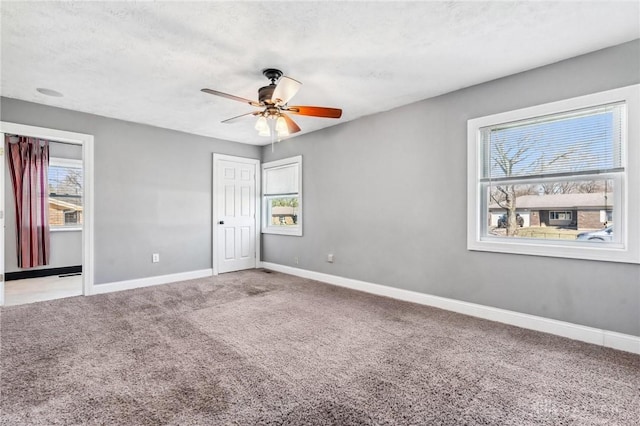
[[48, 140]]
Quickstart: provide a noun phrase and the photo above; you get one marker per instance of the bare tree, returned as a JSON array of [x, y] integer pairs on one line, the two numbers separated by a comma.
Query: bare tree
[[506, 198], [563, 187], [67, 182], [506, 156], [590, 186], [73, 181]]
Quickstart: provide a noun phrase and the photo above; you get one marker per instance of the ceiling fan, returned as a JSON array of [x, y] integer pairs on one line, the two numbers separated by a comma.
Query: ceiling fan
[[273, 101]]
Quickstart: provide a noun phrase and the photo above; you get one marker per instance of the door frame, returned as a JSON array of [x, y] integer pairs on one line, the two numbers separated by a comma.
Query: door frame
[[215, 202], [87, 142]]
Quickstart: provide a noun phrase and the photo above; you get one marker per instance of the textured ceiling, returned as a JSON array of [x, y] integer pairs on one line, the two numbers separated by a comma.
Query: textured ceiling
[[147, 61]]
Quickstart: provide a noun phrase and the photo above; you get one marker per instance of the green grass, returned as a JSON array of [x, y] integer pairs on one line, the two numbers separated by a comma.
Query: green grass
[[548, 232]]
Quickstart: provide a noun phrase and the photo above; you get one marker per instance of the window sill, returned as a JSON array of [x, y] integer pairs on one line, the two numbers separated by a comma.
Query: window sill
[[70, 229], [605, 252], [296, 232]]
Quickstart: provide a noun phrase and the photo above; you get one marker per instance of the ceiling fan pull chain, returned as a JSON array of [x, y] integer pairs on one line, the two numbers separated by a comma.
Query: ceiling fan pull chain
[[273, 136]]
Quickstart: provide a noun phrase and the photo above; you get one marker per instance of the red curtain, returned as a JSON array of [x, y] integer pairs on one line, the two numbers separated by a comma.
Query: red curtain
[[29, 165]]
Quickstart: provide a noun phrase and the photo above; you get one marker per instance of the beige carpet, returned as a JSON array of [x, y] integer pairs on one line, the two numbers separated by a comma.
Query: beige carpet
[[270, 349]]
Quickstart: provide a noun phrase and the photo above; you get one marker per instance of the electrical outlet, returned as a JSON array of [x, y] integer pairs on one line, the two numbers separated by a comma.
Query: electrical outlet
[[155, 257], [330, 258], [295, 260]]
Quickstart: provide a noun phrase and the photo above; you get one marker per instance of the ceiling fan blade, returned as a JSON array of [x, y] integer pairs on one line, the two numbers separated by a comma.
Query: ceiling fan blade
[[315, 111], [291, 125], [229, 120], [233, 97], [285, 90]]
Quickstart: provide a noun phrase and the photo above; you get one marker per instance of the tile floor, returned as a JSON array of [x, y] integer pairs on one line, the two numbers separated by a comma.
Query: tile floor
[[19, 292]]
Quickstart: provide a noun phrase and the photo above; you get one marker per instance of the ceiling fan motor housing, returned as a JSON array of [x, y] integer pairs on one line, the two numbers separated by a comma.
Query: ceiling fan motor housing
[[265, 93]]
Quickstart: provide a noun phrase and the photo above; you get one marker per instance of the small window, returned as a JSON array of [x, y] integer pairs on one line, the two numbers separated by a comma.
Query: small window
[[65, 193], [551, 180], [282, 196], [71, 217], [560, 215]]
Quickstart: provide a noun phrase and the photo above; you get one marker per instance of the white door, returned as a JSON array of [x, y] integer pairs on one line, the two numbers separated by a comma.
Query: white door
[[235, 219], [2, 160]]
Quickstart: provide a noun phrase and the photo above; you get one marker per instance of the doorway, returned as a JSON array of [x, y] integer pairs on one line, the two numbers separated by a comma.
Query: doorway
[[68, 150], [236, 218]]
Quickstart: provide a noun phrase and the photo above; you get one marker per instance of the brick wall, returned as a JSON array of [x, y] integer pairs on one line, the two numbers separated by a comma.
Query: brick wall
[[589, 219], [56, 217], [534, 218]]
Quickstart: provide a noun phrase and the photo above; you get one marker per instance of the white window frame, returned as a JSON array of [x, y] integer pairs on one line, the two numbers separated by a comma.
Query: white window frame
[[67, 162], [267, 226], [627, 248]]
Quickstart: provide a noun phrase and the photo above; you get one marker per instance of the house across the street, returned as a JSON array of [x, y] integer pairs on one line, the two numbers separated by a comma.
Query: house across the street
[[64, 213], [575, 211], [284, 215]]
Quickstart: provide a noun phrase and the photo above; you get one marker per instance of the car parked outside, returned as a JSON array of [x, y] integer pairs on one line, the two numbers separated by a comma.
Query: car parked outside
[[605, 234]]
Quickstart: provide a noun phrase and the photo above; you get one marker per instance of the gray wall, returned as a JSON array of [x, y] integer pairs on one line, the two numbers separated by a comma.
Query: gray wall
[[152, 191], [66, 246], [387, 195]]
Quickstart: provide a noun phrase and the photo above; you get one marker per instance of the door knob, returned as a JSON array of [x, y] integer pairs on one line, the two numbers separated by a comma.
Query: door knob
[[221, 222]]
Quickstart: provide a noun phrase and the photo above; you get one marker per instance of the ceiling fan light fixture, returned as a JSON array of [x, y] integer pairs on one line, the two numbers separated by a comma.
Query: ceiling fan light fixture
[[266, 130], [281, 127], [261, 124]]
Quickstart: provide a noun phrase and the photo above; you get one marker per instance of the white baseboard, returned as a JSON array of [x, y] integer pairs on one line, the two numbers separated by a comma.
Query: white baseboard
[[1, 293], [610, 339], [146, 282]]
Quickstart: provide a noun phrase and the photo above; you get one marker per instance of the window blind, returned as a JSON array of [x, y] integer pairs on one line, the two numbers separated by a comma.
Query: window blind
[[282, 180], [585, 141]]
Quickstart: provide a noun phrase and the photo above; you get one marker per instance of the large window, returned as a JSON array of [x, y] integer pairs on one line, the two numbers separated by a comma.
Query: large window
[[282, 196], [65, 193], [547, 180]]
